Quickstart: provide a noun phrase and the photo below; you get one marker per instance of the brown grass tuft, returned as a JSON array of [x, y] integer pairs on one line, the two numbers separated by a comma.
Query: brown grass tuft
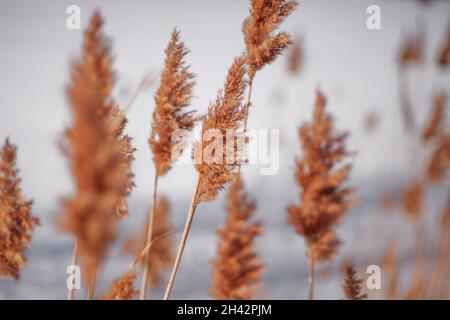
[[96, 164], [161, 251], [97, 63], [237, 268], [226, 113], [323, 198], [262, 43], [172, 98], [352, 285], [122, 288], [16, 221]]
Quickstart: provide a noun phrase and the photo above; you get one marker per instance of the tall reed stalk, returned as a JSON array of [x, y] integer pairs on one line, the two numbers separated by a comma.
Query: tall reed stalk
[[172, 98], [151, 219]]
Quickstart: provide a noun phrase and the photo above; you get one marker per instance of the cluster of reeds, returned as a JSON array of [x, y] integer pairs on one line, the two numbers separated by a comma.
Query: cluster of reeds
[[429, 279], [100, 154]]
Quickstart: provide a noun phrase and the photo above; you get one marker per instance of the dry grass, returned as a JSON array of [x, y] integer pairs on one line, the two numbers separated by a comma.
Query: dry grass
[[171, 101], [352, 285], [97, 168], [122, 288], [324, 200], [16, 220], [237, 268]]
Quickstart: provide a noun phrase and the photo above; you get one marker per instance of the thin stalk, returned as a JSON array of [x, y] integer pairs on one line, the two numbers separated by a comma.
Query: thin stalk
[[250, 86], [151, 219], [70, 291], [91, 287], [187, 227], [310, 278]]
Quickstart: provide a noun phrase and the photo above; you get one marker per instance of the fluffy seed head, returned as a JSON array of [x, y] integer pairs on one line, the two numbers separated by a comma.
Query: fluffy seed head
[[263, 43], [324, 200], [225, 114], [172, 99], [123, 288], [16, 221], [237, 268]]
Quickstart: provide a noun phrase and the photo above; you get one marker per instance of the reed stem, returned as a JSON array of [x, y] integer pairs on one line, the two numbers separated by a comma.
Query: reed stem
[[91, 286], [187, 227], [151, 219], [310, 278], [70, 291]]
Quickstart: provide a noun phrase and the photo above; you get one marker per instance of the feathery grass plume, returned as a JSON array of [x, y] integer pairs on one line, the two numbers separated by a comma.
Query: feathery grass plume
[[412, 199], [226, 114], [352, 285], [172, 98], [123, 288], [262, 43], [97, 63], [437, 117], [444, 53], [323, 198], [439, 162], [96, 164], [295, 58], [16, 221], [237, 268], [161, 251]]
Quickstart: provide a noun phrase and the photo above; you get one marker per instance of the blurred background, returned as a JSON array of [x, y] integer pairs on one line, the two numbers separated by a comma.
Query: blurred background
[[356, 68]]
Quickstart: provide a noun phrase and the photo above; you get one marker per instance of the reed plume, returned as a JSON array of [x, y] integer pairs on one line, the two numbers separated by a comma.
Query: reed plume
[[97, 63], [237, 268], [172, 98], [225, 114], [170, 115], [161, 251], [96, 164], [263, 43], [352, 285], [122, 288], [324, 200], [16, 220]]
